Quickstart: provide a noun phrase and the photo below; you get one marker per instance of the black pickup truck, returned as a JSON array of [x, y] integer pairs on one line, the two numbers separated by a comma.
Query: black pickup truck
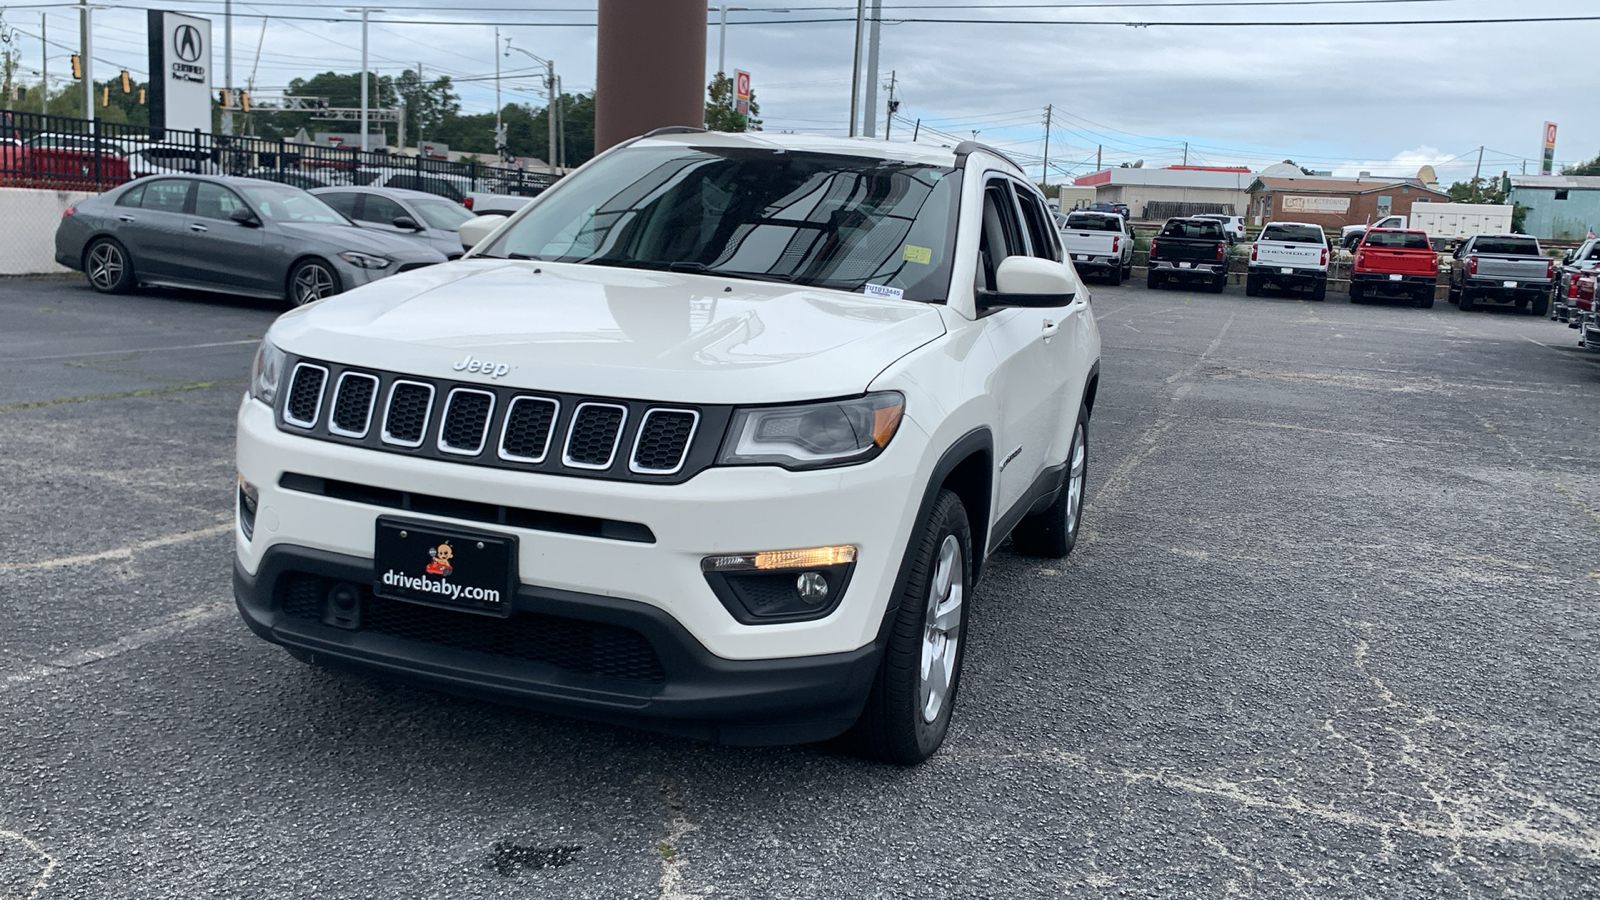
[[1189, 250]]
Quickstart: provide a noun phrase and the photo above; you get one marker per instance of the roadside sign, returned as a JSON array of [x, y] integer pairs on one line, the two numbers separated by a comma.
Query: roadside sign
[[1547, 165], [741, 92]]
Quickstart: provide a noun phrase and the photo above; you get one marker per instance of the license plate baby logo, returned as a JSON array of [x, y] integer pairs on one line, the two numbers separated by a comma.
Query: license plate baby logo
[[440, 564]]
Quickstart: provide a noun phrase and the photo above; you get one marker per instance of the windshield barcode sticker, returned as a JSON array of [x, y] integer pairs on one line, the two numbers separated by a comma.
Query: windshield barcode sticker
[[919, 255], [883, 290]]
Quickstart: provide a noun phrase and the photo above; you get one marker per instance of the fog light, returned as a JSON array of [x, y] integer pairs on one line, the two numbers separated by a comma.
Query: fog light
[[248, 497], [812, 587]]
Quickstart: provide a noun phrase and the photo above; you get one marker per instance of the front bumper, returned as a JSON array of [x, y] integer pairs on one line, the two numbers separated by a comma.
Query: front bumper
[[1383, 283], [597, 657]]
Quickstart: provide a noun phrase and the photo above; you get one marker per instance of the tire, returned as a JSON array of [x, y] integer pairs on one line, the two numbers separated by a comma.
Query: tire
[[1320, 292], [312, 280], [1425, 298], [1466, 300], [1357, 292], [1152, 281], [109, 267], [1127, 271], [1053, 533], [1541, 305], [1116, 276], [1220, 284], [1252, 285], [1453, 295], [927, 640]]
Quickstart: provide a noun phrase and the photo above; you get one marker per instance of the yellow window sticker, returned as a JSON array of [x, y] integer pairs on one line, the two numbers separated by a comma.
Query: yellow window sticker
[[922, 255]]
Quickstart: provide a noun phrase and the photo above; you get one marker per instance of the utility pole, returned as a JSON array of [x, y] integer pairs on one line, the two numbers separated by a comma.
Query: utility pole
[[869, 116], [561, 127], [855, 70], [1476, 172], [894, 107], [227, 64], [499, 127], [86, 50], [422, 85], [550, 111], [1099, 151], [1048, 109], [916, 130], [44, 65], [1186, 153], [364, 107]]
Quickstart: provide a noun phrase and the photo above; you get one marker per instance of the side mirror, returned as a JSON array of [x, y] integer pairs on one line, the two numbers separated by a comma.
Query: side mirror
[[244, 217], [1031, 282], [406, 223], [474, 232]]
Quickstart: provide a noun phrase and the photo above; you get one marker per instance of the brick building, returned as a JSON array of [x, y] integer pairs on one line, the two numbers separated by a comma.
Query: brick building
[[1335, 202]]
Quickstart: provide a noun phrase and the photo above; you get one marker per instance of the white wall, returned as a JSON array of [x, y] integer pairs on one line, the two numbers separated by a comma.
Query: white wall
[[28, 220]]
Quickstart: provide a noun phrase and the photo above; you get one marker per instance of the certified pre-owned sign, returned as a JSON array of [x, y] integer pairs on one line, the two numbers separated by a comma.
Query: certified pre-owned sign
[[180, 47]]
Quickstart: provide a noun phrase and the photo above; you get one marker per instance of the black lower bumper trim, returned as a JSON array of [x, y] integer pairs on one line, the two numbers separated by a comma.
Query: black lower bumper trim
[[1384, 282], [693, 693]]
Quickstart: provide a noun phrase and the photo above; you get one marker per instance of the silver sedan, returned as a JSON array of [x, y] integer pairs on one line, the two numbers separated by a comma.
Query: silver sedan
[[426, 218], [237, 235]]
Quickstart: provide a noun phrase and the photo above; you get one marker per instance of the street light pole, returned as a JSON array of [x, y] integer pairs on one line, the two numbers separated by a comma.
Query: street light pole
[[499, 127], [550, 93], [227, 64], [86, 45], [855, 70], [364, 11], [722, 33]]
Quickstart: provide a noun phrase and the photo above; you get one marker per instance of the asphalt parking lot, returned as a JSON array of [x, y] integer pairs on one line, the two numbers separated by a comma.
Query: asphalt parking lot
[[1331, 631]]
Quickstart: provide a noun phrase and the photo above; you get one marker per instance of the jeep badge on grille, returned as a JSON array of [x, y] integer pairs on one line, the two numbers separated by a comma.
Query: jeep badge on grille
[[491, 369]]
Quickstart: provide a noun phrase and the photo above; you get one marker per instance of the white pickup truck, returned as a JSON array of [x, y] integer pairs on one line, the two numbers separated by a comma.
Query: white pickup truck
[[1099, 243], [1289, 255], [1447, 224]]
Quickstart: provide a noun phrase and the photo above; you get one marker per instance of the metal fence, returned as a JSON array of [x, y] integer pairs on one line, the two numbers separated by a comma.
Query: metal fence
[[1161, 210], [61, 153]]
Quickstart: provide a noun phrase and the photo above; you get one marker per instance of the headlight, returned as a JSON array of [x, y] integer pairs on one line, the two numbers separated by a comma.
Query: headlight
[[364, 260], [266, 373], [815, 435]]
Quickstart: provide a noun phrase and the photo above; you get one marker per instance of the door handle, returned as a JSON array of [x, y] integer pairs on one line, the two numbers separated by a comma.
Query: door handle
[[125, 218], [198, 227], [1049, 330]]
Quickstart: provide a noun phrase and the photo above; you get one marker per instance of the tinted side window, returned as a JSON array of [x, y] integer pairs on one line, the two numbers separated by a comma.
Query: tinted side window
[[1037, 220], [132, 197], [382, 210], [344, 202], [214, 201], [1001, 235], [166, 195]]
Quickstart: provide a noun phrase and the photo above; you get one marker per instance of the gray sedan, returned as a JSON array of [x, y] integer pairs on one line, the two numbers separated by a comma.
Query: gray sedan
[[237, 235], [427, 218]]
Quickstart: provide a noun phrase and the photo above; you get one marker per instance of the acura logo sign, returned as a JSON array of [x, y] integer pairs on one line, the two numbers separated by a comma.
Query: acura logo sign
[[186, 43]]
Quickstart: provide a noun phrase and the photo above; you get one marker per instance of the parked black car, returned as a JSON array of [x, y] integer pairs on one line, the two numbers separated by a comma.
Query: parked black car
[[1189, 250]]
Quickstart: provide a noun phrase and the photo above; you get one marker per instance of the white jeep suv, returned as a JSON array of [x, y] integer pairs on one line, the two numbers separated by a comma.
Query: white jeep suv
[[714, 437]]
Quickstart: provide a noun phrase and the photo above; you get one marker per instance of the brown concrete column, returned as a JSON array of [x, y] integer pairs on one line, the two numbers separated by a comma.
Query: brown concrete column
[[650, 69]]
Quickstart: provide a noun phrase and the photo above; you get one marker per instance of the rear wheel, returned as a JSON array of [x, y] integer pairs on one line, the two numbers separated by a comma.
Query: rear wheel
[[1219, 284], [312, 280], [1320, 292], [1116, 276], [1425, 298], [908, 709], [1252, 285], [1054, 532], [109, 268], [1541, 305], [1152, 280], [1453, 294], [1466, 300], [1357, 292]]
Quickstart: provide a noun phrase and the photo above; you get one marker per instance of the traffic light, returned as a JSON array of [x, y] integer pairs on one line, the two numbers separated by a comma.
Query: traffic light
[[105, 95], [77, 66], [127, 83], [244, 101], [225, 98], [141, 96]]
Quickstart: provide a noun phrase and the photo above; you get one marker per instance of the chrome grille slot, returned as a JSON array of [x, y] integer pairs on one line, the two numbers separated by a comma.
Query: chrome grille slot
[[663, 441], [464, 424], [405, 419], [594, 434], [525, 436], [353, 400], [304, 403]]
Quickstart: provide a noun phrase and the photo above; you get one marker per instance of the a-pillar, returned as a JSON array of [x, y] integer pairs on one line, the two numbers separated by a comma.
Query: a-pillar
[[651, 68]]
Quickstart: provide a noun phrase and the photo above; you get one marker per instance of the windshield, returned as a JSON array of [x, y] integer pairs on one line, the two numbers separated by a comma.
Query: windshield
[[1293, 234], [1191, 228], [1403, 240], [281, 203], [1507, 245], [1094, 223], [442, 213], [820, 220]]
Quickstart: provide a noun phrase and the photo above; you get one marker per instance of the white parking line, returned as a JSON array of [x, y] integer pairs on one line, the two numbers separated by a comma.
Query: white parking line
[[48, 869], [187, 620], [131, 351], [118, 552]]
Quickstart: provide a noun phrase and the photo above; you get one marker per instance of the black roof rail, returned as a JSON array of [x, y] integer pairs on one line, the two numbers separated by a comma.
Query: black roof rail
[[674, 129], [967, 148]]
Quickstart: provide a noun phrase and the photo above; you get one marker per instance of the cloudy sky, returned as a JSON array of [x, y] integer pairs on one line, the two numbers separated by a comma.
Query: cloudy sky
[[1382, 98]]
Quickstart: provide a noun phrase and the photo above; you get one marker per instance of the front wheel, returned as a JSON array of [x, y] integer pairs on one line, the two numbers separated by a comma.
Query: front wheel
[[1054, 532], [109, 269], [908, 710], [312, 280], [1466, 303]]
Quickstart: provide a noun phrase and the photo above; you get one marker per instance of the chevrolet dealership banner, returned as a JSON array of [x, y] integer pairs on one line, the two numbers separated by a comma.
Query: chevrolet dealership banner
[[180, 72]]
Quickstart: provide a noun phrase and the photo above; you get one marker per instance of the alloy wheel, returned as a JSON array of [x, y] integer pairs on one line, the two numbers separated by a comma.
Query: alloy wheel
[[311, 283], [941, 629], [1076, 479], [105, 266]]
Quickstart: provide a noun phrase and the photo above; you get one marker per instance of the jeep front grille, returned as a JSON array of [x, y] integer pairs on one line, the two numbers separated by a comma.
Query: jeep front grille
[[485, 424]]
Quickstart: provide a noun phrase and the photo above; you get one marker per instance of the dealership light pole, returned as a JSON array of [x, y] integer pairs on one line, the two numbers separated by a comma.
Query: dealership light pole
[[550, 92], [86, 51], [855, 70], [364, 11], [227, 64], [722, 33]]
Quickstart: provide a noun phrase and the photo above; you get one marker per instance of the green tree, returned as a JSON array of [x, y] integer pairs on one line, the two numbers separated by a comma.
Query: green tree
[[427, 104], [1592, 167], [720, 112]]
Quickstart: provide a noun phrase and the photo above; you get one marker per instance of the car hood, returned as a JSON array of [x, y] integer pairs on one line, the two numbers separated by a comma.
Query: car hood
[[614, 332], [340, 238]]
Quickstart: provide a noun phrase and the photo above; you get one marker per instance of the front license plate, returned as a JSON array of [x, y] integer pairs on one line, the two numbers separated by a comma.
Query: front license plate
[[439, 565], [1286, 271], [1508, 284], [1394, 277], [1183, 265]]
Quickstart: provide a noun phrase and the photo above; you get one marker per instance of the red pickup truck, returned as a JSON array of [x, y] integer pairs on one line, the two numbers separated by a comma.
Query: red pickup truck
[[1586, 310], [1395, 262]]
